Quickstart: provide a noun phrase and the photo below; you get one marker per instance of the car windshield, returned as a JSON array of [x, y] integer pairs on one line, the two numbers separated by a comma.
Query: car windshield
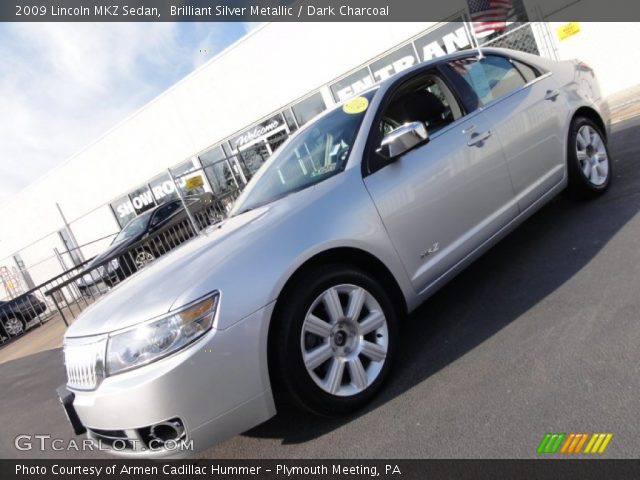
[[318, 152], [135, 227]]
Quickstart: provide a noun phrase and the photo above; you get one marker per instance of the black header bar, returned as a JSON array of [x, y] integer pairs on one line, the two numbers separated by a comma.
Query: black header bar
[[296, 11]]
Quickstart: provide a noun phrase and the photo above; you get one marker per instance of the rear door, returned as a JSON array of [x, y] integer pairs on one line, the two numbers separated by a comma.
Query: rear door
[[526, 108], [441, 200]]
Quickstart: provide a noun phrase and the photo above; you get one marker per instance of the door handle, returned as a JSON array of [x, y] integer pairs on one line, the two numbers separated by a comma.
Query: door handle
[[552, 95], [478, 138]]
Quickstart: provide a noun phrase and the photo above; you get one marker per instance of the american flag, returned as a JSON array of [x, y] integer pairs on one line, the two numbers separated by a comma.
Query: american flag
[[489, 15]]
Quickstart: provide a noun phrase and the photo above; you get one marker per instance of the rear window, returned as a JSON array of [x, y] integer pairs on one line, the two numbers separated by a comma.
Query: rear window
[[490, 77], [528, 72]]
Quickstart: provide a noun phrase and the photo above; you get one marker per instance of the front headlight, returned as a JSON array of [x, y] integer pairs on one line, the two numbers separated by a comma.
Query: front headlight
[[154, 340]]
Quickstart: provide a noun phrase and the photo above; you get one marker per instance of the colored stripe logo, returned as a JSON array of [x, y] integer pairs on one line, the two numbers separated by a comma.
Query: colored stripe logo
[[574, 442]]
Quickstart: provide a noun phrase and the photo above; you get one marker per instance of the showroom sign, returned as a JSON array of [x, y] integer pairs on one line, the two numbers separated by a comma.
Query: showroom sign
[[142, 201], [446, 39]]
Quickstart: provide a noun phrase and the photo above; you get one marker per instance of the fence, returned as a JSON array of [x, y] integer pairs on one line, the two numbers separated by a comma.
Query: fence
[[66, 295]]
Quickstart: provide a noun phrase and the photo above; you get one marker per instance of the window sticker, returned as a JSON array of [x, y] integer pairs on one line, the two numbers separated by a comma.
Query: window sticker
[[356, 105]]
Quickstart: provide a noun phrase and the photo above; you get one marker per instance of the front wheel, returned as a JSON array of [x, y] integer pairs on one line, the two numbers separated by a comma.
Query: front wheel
[[335, 340], [144, 258], [14, 326], [589, 165]]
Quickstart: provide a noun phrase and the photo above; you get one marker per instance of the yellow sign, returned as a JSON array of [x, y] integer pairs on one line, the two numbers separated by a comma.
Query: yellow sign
[[356, 105], [194, 182], [567, 30]]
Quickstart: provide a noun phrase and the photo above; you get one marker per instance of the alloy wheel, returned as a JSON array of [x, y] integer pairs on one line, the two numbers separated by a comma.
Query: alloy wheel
[[14, 327], [592, 155], [144, 258], [344, 340]]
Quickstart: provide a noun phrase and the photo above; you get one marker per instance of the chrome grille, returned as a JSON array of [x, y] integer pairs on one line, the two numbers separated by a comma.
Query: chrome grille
[[84, 361]]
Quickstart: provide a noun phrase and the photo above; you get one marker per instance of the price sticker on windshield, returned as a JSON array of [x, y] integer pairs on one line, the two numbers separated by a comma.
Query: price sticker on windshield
[[355, 105]]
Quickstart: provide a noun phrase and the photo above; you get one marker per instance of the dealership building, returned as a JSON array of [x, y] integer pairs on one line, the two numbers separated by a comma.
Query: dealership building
[[212, 130]]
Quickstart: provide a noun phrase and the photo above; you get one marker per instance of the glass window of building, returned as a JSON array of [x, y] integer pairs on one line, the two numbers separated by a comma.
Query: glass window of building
[[309, 108], [351, 85], [142, 199], [220, 177], [277, 139], [163, 188], [183, 168], [181, 173], [291, 122], [253, 157], [212, 156], [123, 210]]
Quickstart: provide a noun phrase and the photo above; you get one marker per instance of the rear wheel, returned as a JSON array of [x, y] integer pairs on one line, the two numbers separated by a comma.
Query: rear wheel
[[335, 340], [589, 166]]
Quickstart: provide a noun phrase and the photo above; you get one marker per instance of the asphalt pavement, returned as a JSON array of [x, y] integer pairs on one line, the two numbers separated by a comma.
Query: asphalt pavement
[[540, 335]]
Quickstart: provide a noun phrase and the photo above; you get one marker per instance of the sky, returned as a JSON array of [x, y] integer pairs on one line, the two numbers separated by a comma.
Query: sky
[[63, 85]]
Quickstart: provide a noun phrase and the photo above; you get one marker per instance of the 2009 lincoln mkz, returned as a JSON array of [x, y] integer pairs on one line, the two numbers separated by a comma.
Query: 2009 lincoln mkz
[[359, 217]]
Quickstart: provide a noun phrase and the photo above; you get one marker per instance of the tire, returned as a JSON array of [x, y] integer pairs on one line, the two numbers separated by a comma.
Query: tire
[[14, 326], [299, 343], [588, 160]]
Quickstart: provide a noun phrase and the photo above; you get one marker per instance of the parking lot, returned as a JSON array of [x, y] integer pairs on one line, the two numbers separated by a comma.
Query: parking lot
[[540, 335]]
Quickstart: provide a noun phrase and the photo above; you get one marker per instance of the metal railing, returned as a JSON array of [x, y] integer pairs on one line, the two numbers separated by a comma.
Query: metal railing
[[69, 293]]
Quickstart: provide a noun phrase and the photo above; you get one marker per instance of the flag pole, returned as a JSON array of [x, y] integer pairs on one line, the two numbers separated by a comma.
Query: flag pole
[[475, 38]]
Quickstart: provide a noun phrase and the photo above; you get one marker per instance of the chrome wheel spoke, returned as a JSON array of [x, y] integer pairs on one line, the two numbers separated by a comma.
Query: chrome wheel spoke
[[356, 301], [596, 141], [374, 351], [582, 156], [594, 177], [586, 169], [372, 322], [318, 356], [332, 303], [357, 373], [317, 326], [334, 377], [583, 139]]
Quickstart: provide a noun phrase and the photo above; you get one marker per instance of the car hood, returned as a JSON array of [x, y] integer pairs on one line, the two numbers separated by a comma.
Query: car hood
[[112, 251], [152, 291]]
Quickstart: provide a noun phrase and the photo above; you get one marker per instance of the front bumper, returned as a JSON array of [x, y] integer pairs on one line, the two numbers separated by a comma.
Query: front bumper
[[217, 387]]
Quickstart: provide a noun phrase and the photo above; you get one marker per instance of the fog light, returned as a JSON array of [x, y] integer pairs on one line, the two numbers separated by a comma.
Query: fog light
[[166, 431]]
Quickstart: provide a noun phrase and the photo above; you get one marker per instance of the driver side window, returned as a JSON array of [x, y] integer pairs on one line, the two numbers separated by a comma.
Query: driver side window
[[425, 99]]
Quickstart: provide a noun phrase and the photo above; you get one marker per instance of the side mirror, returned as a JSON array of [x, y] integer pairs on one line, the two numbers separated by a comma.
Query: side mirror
[[403, 139]]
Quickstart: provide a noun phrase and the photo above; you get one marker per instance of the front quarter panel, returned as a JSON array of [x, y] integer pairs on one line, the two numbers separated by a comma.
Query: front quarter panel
[[335, 213]]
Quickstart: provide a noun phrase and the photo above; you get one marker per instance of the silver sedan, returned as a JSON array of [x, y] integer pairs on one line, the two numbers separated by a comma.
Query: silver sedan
[[353, 223]]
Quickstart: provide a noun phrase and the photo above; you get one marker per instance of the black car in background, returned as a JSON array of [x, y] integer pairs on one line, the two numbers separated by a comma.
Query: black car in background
[[15, 314], [145, 238]]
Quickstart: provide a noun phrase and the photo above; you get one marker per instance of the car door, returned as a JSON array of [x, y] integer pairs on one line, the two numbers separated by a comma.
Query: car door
[[446, 197], [525, 107]]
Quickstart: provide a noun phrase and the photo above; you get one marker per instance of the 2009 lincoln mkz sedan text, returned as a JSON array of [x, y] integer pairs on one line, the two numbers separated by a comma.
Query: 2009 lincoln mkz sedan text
[[350, 225]]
